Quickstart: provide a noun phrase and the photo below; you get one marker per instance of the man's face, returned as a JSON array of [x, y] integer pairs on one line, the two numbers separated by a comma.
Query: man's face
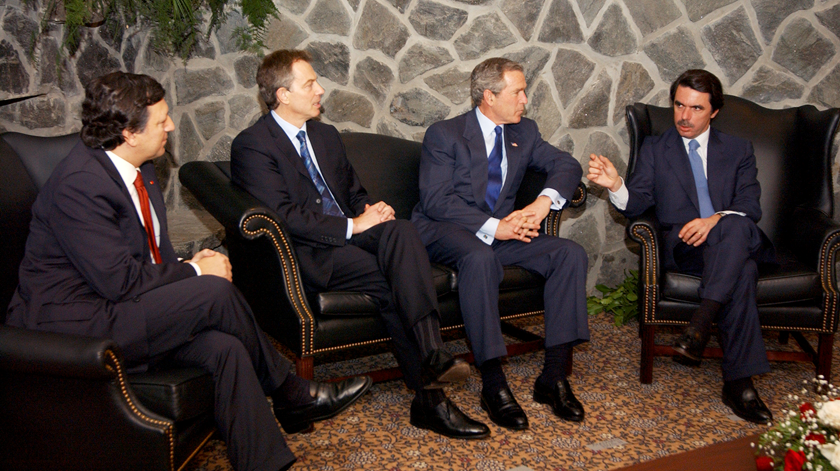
[[151, 139], [302, 101], [692, 112], [507, 106]]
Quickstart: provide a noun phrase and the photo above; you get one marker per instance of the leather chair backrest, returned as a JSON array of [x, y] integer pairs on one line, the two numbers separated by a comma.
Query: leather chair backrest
[[25, 165], [792, 149]]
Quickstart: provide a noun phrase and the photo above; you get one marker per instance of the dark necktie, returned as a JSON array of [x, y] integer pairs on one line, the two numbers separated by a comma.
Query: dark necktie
[[330, 207], [700, 180], [494, 171], [147, 216]]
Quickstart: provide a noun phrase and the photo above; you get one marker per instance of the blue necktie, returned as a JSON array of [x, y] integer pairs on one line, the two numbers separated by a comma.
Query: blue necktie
[[700, 180], [494, 171], [330, 207]]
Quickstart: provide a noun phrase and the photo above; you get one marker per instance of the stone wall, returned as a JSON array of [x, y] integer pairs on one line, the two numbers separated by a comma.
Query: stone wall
[[397, 66]]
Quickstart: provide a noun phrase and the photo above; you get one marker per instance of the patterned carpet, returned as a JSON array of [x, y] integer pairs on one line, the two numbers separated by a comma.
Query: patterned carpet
[[626, 422]]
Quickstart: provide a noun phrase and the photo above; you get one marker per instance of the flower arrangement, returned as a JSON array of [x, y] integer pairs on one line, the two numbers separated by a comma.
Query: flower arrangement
[[806, 438]]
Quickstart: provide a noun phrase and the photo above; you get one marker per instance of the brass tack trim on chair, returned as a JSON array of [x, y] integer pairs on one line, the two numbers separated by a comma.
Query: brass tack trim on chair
[[296, 294], [650, 285], [115, 366], [827, 269]]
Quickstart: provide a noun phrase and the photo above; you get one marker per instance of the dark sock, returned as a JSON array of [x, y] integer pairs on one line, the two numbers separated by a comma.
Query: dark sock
[[293, 392], [704, 316], [556, 361], [738, 386], [492, 377], [429, 398], [427, 333]]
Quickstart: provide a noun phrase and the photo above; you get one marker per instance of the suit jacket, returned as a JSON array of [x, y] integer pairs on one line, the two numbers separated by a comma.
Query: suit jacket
[[87, 254], [266, 163], [453, 174], [663, 177]]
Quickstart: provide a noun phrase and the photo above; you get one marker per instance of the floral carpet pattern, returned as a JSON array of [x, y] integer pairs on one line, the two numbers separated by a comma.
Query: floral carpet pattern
[[626, 422]]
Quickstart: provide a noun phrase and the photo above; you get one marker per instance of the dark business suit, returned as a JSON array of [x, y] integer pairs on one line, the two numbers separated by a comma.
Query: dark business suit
[[726, 262], [87, 270], [381, 261], [452, 208]]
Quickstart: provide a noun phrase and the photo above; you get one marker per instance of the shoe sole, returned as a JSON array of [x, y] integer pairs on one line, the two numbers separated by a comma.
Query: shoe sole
[[549, 401], [309, 425], [731, 407], [432, 429], [455, 374], [686, 354]]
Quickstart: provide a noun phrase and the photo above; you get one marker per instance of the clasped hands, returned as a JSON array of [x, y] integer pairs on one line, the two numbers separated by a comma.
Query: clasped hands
[[373, 215], [524, 224]]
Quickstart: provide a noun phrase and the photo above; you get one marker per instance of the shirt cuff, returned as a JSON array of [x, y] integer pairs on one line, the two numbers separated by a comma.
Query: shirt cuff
[[487, 233], [724, 213], [195, 266], [557, 201], [620, 197], [349, 229]]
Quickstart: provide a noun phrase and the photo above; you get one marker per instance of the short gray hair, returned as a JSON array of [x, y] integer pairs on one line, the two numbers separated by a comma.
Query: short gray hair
[[490, 75]]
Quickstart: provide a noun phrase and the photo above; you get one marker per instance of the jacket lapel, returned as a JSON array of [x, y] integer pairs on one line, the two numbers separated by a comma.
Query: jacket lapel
[[715, 162], [286, 147], [478, 160]]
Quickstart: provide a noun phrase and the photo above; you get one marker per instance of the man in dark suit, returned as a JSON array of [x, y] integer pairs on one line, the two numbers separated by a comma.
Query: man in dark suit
[[703, 185], [470, 170], [99, 262], [297, 166]]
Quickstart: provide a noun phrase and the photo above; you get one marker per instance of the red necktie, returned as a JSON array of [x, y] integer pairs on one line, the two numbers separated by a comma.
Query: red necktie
[[147, 216]]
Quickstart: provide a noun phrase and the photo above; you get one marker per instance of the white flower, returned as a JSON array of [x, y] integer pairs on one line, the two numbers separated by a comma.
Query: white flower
[[829, 414], [832, 453]]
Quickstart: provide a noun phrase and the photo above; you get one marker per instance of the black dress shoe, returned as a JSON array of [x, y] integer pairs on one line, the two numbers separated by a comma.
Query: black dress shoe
[[562, 400], [691, 343], [447, 420], [330, 399], [748, 406], [441, 368], [504, 411]]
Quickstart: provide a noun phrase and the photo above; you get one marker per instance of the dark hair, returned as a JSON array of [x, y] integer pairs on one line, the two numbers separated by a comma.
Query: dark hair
[[702, 81], [490, 75], [115, 102], [275, 73]]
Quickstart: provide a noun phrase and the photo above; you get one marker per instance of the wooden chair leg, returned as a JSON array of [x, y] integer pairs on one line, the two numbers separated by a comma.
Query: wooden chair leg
[[646, 366], [305, 367], [824, 349]]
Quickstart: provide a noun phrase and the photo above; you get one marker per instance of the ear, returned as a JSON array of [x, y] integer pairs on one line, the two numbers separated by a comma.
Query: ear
[[282, 95], [129, 137], [489, 97], [714, 113]]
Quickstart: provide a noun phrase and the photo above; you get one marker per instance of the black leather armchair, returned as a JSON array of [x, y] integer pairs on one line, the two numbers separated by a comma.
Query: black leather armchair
[[265, 269], [793, 155], [66, 401]]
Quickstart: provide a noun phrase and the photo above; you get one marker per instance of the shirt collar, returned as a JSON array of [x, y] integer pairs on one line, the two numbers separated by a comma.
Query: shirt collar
[[487, 125], [290, 129], [127, 171], [702, 139]]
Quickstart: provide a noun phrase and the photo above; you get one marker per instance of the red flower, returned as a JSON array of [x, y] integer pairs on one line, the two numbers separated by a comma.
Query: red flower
[[794, 460], [806, 409], [817, 437], [763, 463]]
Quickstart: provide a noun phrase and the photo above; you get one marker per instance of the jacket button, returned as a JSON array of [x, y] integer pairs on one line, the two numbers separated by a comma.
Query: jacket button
[[136, 299], [318, 200]]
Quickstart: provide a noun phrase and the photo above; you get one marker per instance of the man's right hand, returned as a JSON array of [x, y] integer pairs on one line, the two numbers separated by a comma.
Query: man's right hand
[[213, 263], [373, 215], [602, 172]]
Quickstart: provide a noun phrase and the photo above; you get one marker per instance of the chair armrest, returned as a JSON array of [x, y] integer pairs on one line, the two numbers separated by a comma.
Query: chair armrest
[[645, 230], [248, 219], [817, 242], [51, 354], [551, 224]]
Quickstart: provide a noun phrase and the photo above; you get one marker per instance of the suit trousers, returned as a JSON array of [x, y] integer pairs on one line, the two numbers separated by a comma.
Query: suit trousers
[[562, 262], [729, 274], [389, 263], [205, 322]]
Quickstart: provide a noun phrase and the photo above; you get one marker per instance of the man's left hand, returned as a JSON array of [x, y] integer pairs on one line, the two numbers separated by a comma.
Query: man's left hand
[[696, 231], [534, 212]]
